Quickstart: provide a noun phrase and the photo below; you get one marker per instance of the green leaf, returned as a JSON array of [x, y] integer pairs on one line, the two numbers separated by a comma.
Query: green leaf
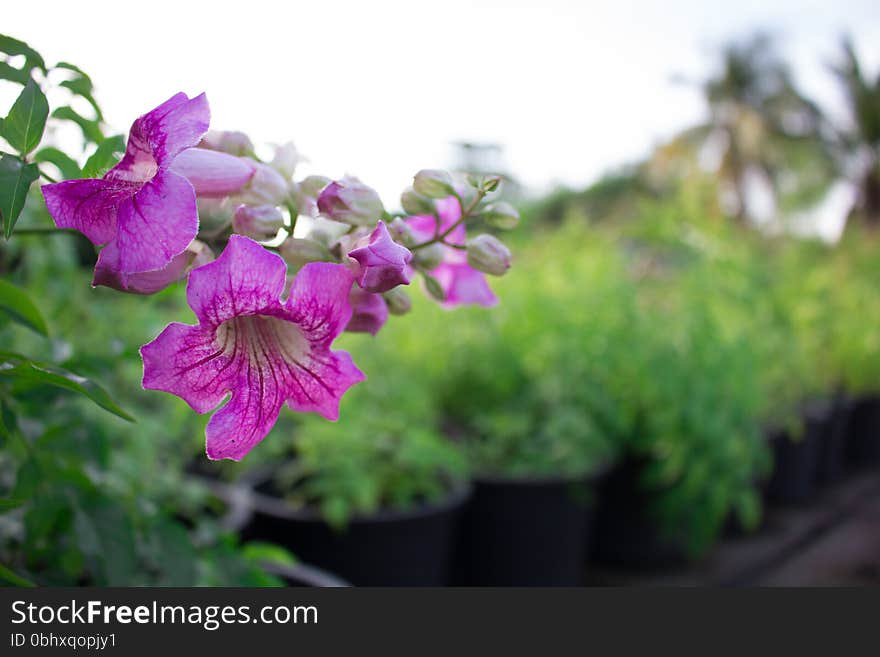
[[18, 306], [66, 164], [23, 127], [15, 180], [81, 85], [14, 47], [14, 579], [20, 369], [267, 553], [13, 74], [32, 60], [91, 128], [104, 157]]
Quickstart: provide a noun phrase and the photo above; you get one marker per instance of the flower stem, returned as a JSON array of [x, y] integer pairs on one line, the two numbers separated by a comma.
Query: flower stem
[[47, 176], [464, 216]]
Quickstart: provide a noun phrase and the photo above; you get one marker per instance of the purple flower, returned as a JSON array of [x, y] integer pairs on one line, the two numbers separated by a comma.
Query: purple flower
[[462, 284], [250, 343], [382, 262], [369, 312], [150, 282], [143, 210]]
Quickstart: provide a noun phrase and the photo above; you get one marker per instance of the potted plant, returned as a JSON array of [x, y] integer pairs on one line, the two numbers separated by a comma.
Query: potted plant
[[522, 397], [374, 498]]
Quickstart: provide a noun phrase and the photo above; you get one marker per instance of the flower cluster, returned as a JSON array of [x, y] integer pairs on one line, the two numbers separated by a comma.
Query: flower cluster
[[276, 268]]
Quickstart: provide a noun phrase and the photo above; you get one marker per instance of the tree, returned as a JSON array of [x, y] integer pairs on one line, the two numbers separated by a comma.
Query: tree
[[857, 142]]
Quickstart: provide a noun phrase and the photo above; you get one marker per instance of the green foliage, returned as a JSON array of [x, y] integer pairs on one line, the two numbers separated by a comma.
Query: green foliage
[[23, 126], [15, 180], [18, 307]]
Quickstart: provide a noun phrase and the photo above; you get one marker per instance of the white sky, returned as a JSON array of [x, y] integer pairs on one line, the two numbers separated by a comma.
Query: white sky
[[380, 89]]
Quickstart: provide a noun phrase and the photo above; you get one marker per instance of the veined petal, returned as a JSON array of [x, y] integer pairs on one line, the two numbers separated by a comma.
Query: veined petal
[[154, 225], [189, 361], [245, 280], [329, 377], [318, 301], [157, 137], [272, 361], [212, 173], [89, 206]]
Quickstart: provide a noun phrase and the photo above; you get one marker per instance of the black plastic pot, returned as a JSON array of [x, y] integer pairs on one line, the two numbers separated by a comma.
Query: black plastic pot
[[524, 532], [833, 442], [389, 548], [796, 461], [863, 444], [626, 534]]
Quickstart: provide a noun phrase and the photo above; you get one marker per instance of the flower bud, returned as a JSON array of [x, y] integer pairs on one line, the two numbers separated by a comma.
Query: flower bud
[[429, 257], [401, 231], [414, 203], [228, 141], [398, 301], [305, 195], [433, 183], [384, 264], [259, 222], [213, 174], [214, 214], [349, 201], [286, 159], [486, 253], [267, 187], [297, 252], [501, 215], [369, 312]]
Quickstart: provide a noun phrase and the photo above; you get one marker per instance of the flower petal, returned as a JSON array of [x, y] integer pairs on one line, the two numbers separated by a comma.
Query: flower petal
[[327, 381], [248, 417], [246, 279], [188, 361], [160, 135], [464, 285], [89, 206], [154, 225], [318, 301], [212, 173]]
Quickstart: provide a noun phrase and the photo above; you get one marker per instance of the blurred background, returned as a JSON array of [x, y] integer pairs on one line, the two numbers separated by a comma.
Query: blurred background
[[681, 384]]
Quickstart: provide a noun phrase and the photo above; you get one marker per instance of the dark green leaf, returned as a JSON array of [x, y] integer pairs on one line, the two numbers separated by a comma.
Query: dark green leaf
[[18, 306], [104, 157], [15, 180], [66, 164], [23, 127], [20, 369], [91, 128]]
